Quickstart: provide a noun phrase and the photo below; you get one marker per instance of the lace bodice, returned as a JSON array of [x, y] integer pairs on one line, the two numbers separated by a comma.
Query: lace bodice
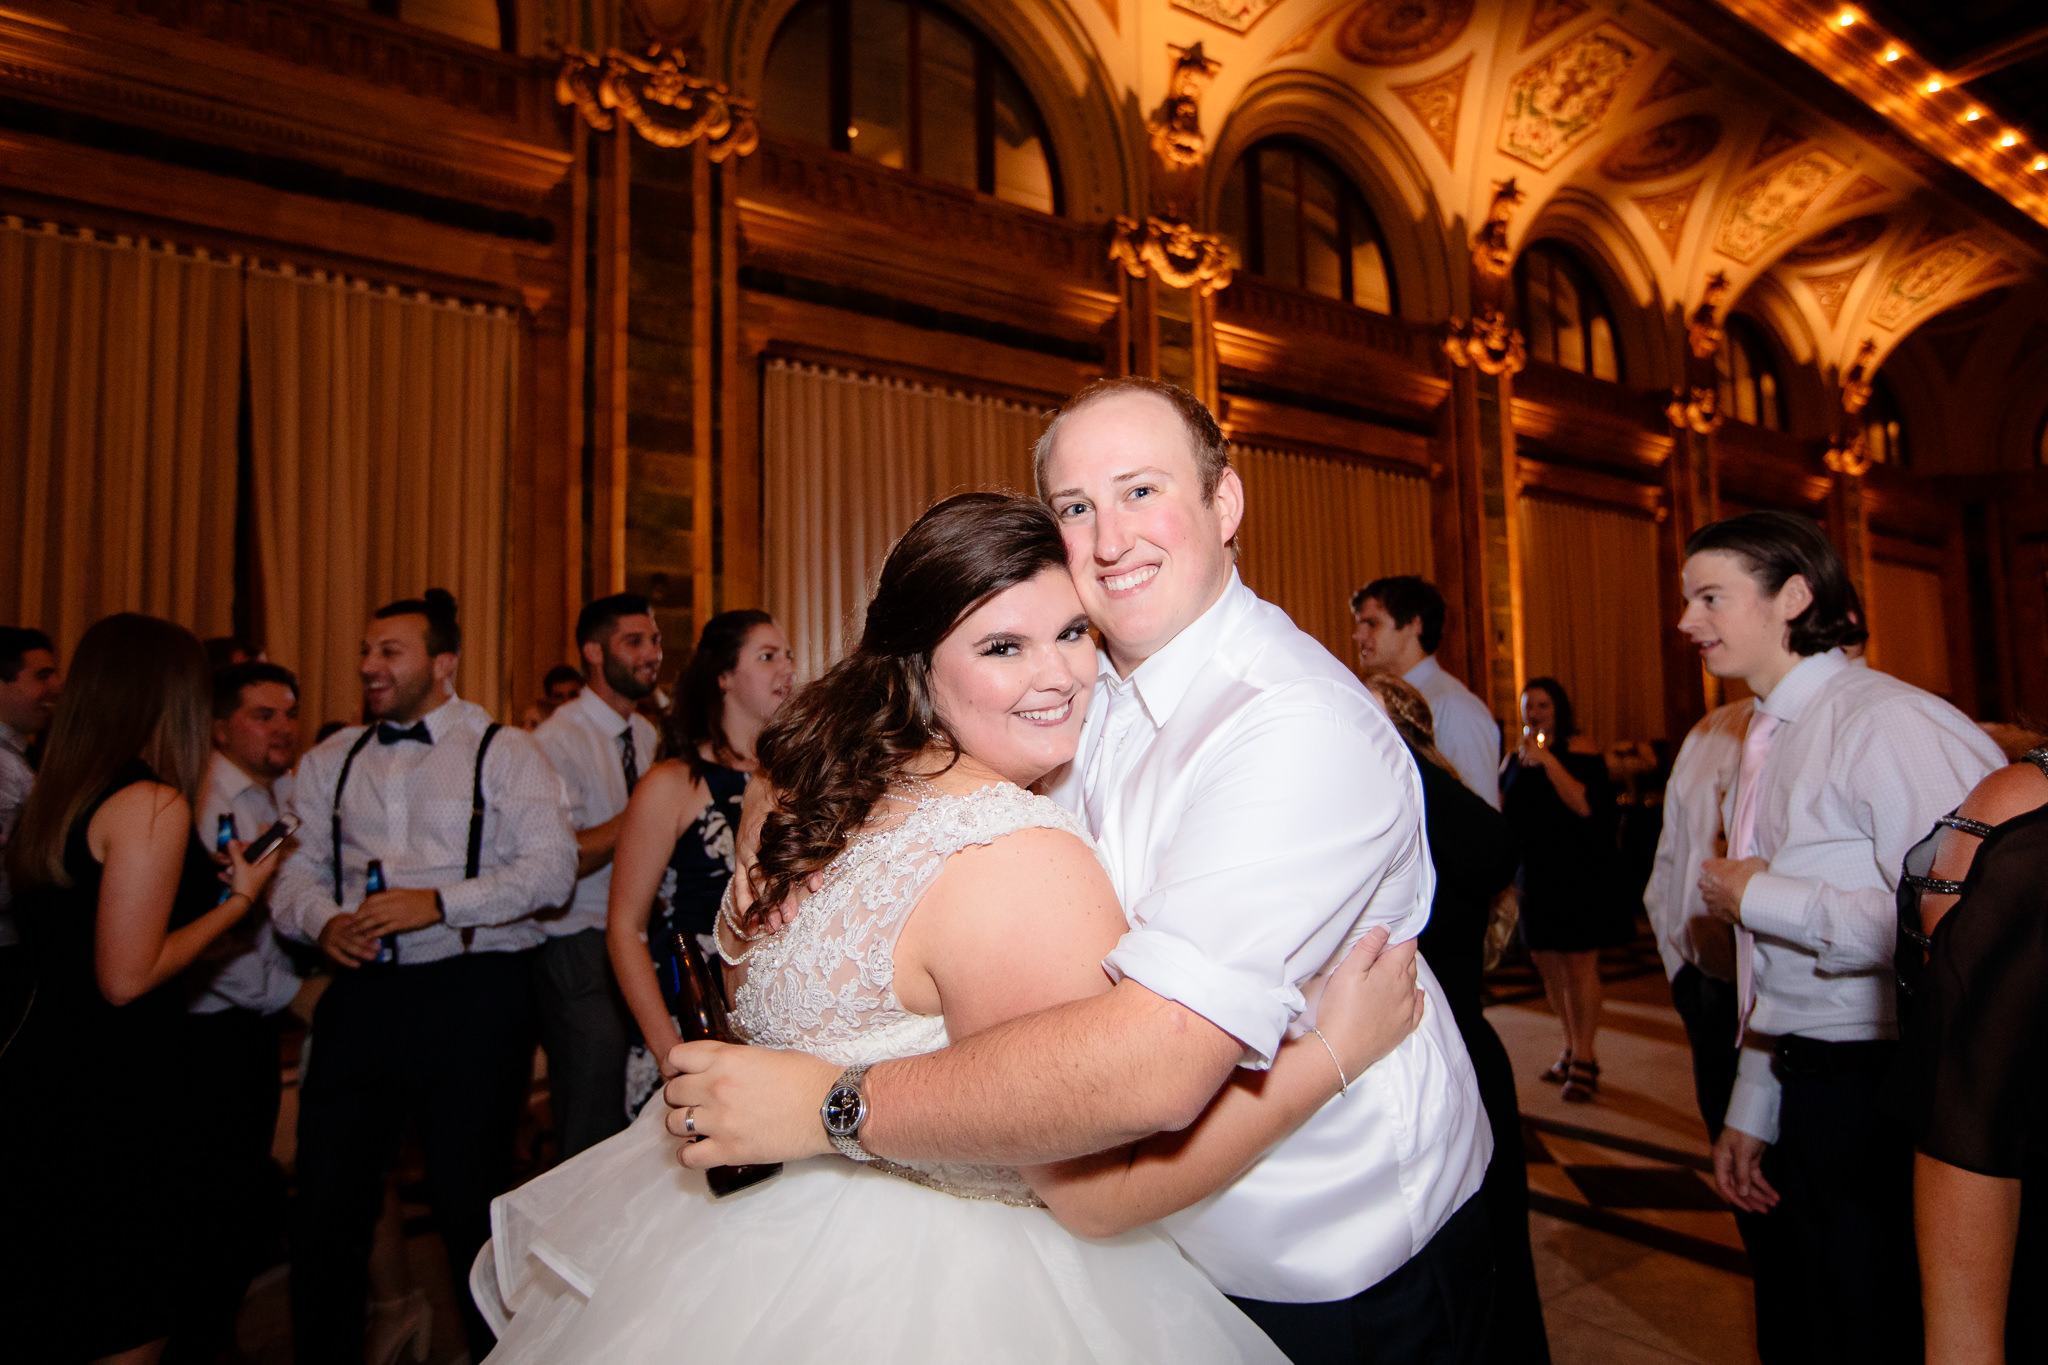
[[825, 984]]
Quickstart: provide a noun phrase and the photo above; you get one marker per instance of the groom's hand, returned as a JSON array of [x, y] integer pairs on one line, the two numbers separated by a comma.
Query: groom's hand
[[742, 1106]]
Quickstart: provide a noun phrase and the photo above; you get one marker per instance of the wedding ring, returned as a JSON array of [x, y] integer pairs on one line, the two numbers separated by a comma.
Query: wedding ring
[[690, 1121]]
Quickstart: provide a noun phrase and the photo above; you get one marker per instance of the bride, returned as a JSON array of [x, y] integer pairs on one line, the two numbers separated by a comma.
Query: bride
[[901, 887]]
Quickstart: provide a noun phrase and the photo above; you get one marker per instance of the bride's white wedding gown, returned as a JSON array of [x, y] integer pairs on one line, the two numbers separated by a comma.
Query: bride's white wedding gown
[[621, 1255]]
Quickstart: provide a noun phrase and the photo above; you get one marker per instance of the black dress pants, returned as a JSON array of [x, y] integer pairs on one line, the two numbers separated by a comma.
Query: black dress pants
[[447, 1046], [584, 1025], [1843, 1170], [1518, 1336], [1435, 1310], [1706, 1005], [233, 1085]]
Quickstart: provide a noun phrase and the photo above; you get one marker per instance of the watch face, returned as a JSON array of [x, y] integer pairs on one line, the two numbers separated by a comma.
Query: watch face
[[843, 1111]]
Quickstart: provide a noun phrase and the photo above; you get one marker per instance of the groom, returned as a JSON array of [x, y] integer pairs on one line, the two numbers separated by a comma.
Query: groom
[[1258, 812]]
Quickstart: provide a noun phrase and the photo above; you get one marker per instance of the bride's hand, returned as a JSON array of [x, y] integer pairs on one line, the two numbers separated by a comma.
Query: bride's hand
[[1372, 1002], [742, 1106]]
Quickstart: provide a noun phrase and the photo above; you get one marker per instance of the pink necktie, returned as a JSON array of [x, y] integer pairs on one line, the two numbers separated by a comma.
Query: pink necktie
[[1742, 844]]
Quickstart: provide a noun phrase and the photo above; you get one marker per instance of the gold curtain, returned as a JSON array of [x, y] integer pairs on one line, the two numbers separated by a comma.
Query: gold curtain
[[1319, 527], [119, 365], [382, 433], [849, 461], [1590, 618], [1908, 625]]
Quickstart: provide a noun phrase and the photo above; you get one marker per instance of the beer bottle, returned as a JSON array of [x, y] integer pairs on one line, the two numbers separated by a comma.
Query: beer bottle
[[223, 835], [699, 1001], [373, 883]]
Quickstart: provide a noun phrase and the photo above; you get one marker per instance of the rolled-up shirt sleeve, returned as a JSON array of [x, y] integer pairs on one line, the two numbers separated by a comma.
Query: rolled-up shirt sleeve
[[529, 831], [1257, 893]]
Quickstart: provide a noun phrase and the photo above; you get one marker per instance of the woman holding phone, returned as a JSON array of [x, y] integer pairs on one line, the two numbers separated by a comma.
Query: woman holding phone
[[116, 895]]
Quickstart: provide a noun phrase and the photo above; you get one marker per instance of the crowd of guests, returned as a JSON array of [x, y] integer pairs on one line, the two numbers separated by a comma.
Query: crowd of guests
[[1860, 994]]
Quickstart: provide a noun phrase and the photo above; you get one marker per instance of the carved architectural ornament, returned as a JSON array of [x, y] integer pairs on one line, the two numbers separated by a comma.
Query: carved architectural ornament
[[1703, 331], [1487, 344], [1856, 384], [669, 106], [1179, 147], [1700, 411], [1490, 254], [1852, 459], [1176, 253]]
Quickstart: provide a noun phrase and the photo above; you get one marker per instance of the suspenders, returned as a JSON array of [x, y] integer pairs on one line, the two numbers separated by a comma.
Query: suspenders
[[474, 863]]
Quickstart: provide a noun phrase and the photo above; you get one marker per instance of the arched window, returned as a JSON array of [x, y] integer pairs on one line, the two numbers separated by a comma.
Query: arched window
[[905, 84], [1749, 377], [1297, 219], [1884, 440], [1564, 315]]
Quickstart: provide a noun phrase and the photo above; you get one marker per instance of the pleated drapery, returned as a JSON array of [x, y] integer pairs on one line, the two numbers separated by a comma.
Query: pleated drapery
[[849, 461], [381, 426], [1590, 618], [118, 380], [1319, 527], [1908, 625]]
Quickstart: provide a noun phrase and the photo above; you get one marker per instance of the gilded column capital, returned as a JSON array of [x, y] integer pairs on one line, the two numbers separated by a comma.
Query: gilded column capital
[[658, 96], [1487, 344], [1177, 254], [1698, 411]]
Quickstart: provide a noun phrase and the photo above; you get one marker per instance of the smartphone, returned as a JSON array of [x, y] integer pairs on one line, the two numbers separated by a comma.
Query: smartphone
[[268, 841]]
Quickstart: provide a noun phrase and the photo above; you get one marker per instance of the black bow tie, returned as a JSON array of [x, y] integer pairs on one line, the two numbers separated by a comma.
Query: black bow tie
[[388, 733]]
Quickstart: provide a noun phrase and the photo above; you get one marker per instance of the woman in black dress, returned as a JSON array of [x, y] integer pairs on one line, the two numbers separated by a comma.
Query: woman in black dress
[[116, 896], [1971, 1082], [675, 851], [1473, 849], [1556, 793]]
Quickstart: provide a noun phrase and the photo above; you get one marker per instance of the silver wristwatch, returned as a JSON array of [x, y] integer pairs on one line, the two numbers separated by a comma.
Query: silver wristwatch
[[844, 1111]]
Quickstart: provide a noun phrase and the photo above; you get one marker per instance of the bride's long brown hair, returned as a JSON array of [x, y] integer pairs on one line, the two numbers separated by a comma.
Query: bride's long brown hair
[[842, 739]]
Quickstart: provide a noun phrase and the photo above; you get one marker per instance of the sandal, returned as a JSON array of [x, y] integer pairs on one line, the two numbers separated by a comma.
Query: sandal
[[1558, 1069], [1582, 1083]]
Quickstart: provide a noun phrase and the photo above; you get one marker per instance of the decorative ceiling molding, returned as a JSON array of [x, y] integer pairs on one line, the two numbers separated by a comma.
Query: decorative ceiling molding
[[1547, 17], [1916, 283], [1664, 150], [1667, 213], [1932, 231], [1560, 100], [1771, 203], [1435, 104], [1864, 188], [1674, 80], [1776, 141], [1842, 240], [1401, 32], [1236, 15], [1306, 39], [1829, 291]]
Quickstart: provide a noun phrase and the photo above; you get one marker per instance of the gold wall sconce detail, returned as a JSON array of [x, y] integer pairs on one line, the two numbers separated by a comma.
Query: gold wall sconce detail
[[658, 96]]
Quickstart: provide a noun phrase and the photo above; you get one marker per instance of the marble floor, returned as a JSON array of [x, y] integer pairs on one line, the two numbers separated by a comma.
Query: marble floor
[[1637, 1259]]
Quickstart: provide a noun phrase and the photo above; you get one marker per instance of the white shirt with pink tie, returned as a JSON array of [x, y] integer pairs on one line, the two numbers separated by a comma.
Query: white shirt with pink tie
[[1857, 770]]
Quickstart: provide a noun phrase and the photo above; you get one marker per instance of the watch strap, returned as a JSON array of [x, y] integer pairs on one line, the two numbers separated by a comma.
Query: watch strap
[[848, 1144]]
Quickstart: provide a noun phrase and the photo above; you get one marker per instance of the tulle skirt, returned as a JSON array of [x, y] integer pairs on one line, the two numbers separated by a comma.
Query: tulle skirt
[[622, 1256]]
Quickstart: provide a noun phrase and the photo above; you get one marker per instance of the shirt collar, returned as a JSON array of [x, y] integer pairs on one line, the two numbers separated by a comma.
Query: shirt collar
[[599, 712], [1424, 673], [228, 780], [13, 739], [1796, 691], [1164, 679], [442, 720]]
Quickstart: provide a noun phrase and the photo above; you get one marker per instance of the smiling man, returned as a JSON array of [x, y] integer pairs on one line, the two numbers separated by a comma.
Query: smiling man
[[1257, 813], [1842, 770]]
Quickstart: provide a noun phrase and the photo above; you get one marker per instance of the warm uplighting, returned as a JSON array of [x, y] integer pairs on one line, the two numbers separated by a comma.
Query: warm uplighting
[[1973, 116], [1934, 87], [1891, 54], [1845, 19], [2008, 140], [2041, 163]]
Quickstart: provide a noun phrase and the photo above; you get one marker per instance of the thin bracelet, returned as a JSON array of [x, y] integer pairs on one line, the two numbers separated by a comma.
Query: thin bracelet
[[1343, 1086]]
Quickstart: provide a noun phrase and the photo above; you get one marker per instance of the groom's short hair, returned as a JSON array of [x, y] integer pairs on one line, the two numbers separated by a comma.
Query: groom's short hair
[[1205, 437]]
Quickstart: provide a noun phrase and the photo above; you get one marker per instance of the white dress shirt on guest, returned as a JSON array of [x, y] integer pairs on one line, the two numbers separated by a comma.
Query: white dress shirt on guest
[[16, 777], [1258, 813], [408, 804], [259, 975], [1466, 732], [1861, 767], [581, 739], [1702, 776]]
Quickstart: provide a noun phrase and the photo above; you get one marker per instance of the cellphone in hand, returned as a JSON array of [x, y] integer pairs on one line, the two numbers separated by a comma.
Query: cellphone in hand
[[267, 842]]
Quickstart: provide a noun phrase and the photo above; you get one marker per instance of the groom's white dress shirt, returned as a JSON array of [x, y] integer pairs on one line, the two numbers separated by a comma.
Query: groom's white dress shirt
[[1861, 767], [1466, 732], [1258, 813]]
